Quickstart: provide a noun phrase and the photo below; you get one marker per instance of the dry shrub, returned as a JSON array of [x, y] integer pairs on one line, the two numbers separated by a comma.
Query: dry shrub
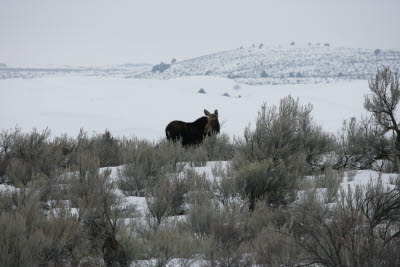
[[330, 180], [100, 211], [218, 147], [225, 245], [265, 181], [273, 247], [285, 132], [171, 242], [30, 237], [361, 228]]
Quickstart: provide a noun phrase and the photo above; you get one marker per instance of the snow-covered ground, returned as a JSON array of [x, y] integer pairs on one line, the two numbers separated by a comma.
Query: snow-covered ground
[[143, 107]]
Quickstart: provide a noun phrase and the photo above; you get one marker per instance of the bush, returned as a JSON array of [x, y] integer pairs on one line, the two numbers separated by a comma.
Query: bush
[[144, 162], [225, 244], [166, 198], [196, 156], [201, 218], [30, 237], [18, 172], [274, 248], [223, 186], [264, 74], [360, 145], [199, 187], [171, 242], [142, 168], [38, 156], [276, 184], [107, 150], [160, 67], [29, 157], [236, 87], [286, 133], [100, 211], [103, 146], [7, 147], [359, 229], [382, 104], [330, 180], [218, 147]]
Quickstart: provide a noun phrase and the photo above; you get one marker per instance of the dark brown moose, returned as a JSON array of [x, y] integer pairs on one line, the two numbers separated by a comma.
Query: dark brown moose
[[193, 133]]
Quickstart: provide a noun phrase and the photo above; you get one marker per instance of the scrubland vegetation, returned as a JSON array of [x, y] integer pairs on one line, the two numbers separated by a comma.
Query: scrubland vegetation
[[275, 198]]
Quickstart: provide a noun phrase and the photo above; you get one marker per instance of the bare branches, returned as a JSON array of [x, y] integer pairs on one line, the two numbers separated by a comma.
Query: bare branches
[[384, 99]]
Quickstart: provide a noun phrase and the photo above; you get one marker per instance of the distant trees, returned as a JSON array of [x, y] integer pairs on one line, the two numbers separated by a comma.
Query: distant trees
[[377, 52], [160, 67], [264, 74]]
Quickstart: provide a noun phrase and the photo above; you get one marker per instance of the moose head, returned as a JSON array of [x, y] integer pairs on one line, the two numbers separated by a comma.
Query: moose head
[[212, 125]]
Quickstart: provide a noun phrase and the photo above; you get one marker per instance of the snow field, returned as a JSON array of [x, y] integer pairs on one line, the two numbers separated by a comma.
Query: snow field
[[143, 108]]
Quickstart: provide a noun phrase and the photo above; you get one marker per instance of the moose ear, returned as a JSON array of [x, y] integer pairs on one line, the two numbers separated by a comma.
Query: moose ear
[[216, 113], [207, 113]]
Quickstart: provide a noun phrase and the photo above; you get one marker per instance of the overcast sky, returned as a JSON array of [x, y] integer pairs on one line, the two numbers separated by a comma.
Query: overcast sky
[[100, 32]]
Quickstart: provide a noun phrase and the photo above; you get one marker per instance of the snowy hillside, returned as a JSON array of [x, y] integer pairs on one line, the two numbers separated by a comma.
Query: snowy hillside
[[249, 65], [36, 72], [284, 64]]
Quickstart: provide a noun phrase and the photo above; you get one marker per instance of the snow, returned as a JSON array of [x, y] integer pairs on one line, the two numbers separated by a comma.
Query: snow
[[8, 188], [113, 172], [140, 202], [207, 169], [172, 263], [143, 107], [364, 177]]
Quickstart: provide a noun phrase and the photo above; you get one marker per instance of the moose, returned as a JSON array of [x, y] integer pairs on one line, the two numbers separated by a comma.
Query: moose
[[193, 133]]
